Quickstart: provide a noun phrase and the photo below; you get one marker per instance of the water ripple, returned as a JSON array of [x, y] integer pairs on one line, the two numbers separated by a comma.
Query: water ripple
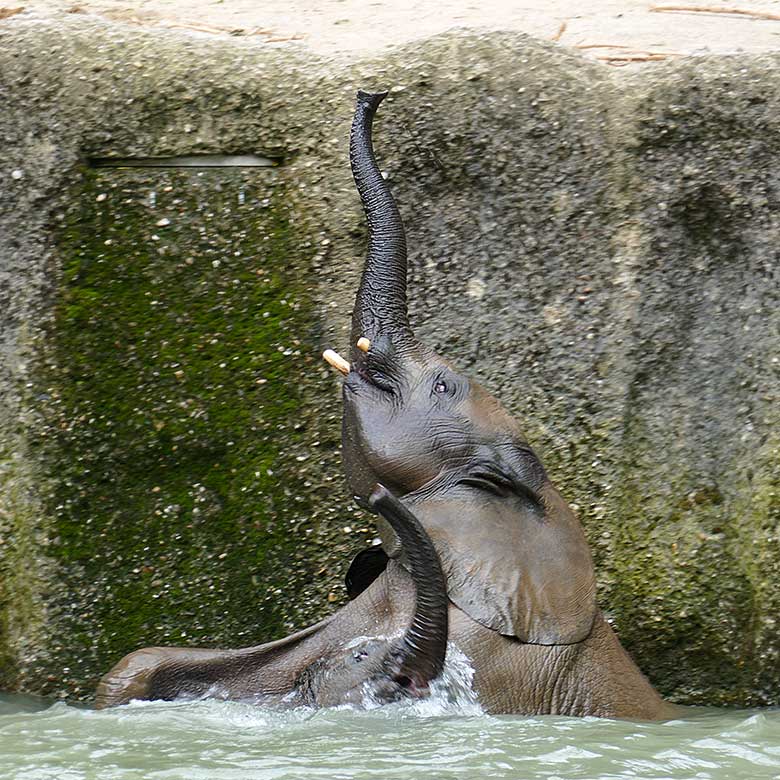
[[444, 738]]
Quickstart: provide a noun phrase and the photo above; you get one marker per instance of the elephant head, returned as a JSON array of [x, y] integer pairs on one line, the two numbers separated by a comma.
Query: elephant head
[[515, 555]]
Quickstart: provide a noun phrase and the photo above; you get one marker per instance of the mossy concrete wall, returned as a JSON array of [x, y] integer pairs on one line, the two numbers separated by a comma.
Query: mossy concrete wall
[[599, 247]]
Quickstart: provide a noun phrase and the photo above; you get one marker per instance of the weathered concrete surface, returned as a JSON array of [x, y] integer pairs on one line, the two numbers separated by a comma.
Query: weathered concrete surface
[[596, 29], [600, 249]]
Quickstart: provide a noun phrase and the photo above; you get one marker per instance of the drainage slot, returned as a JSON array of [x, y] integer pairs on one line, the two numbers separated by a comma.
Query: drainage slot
[[188, 161]]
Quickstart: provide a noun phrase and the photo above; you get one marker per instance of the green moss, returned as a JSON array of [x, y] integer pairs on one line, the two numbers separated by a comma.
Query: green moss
[[682, 602], [686, 560], [758, 528], [20, 612], [172, 391]]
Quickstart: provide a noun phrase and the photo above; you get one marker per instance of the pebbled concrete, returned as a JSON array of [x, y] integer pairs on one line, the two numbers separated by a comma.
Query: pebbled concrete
[[599, 247]]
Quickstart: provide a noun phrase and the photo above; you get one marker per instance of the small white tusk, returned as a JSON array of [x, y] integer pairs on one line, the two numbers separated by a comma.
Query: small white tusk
[[364, 344], [338, 362]]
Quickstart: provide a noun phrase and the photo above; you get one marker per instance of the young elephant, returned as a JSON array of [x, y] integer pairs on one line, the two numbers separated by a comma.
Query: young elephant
[[519, 577], [519, 572], [355, 654]]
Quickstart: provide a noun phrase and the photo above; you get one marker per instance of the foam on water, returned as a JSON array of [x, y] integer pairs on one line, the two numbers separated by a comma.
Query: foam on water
[[452, 693]]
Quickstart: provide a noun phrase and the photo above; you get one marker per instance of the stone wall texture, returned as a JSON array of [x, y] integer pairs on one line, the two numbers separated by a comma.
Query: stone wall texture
[[600, 248]]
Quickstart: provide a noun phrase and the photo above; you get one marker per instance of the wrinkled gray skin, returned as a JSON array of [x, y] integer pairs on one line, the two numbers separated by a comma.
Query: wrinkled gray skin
[[519, 576]]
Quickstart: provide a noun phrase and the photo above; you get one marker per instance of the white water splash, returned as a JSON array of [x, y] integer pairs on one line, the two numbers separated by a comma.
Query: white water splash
[[358, 641], [451, 693]]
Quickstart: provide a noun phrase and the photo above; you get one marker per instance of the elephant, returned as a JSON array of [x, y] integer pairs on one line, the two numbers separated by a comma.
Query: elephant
[[515, 573]]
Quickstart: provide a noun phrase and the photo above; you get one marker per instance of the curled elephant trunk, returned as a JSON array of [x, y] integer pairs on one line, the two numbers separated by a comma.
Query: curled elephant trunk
[[419, 657], [380, 306]]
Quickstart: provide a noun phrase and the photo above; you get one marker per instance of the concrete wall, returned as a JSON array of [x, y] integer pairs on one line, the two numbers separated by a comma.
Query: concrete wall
[[600, 248]]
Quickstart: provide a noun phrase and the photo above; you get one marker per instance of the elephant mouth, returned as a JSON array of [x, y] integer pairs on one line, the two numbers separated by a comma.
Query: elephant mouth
[[377, 366], [375, 369]]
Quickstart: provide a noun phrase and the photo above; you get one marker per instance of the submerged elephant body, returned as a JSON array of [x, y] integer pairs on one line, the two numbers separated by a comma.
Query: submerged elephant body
[[480, 548], [292, 671]]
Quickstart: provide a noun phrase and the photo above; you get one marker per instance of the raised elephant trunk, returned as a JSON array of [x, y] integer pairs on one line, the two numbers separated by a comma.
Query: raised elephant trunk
[[419, 657], [380, 306]]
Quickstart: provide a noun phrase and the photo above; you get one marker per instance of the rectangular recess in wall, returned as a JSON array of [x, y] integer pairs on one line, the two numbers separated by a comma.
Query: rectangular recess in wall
[[188, 161]]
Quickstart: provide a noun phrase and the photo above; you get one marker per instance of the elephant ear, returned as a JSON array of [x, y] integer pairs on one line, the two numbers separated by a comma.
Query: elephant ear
[[519, 568]]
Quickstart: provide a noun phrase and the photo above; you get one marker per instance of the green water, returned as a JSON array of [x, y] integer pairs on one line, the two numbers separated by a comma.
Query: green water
[[213, 740]]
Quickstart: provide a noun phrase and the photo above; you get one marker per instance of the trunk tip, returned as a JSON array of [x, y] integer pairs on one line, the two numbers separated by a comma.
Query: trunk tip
[[371, 99], [380, 497]]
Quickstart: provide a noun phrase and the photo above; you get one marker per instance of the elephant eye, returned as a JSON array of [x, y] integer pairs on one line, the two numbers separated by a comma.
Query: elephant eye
[[445, 383]]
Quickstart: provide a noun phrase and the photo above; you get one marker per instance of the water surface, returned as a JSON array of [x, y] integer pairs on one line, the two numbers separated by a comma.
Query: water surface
[[445, 736]]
